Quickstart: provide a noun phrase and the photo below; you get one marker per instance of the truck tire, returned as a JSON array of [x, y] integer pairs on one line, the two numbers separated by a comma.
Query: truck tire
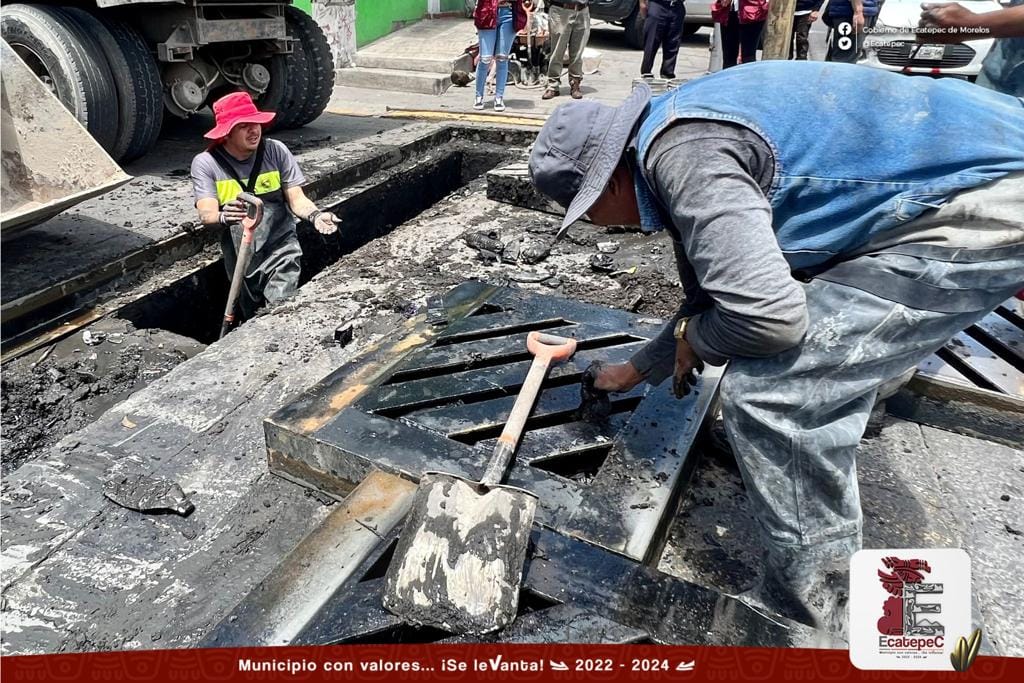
[[320, 63], [273, 97], [634, 25], [297, 92], [72, 61], [118, 65], [144, 85]]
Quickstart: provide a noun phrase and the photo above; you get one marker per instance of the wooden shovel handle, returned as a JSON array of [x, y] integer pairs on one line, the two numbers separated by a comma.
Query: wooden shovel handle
[[545, 349]]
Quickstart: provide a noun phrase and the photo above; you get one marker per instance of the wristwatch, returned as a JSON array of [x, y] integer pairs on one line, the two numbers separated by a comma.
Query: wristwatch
[[680, 331]]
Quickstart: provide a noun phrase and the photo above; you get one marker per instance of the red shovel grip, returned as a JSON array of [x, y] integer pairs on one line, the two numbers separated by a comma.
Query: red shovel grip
[[550, 347]]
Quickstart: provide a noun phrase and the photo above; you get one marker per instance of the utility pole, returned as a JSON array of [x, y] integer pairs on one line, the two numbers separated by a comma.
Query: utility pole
[[779, 29]]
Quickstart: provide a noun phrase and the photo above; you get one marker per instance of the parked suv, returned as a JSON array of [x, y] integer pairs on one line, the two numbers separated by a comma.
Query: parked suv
[[626, 13]]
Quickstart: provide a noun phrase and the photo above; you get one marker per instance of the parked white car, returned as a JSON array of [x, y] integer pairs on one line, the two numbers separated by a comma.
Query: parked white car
[[891, 44]]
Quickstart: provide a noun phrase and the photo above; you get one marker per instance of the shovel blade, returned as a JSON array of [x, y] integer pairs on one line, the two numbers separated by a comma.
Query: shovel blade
[[459, 561]]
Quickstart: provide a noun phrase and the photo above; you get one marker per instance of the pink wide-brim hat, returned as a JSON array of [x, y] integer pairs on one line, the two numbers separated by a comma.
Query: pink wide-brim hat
[[233, 109]]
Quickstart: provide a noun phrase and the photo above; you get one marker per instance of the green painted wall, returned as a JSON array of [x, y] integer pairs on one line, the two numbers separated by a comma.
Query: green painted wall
[[375, 18]]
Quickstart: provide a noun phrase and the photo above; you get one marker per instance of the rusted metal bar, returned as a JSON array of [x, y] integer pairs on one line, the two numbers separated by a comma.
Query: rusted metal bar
[[286, 601]]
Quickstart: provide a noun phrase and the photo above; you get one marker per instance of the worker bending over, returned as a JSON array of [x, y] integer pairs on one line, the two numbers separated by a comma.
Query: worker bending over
[[821, 262]]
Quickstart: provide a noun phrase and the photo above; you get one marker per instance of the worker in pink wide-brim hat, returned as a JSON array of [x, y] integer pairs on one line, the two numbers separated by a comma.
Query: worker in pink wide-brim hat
[[242, 159]]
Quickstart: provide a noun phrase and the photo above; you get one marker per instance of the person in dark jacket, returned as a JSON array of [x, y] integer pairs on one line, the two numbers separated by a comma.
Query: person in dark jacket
[[663, 27], [805, 14], [497, 23], [848, 19], [742, 22]]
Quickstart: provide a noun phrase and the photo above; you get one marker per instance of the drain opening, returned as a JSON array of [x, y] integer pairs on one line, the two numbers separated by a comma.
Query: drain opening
[[504, 359], [492, 333], [476, 434], [487, 308], [579, 465], [192, 307], [394, 412], [400, 633], [530, 602], [380, 568], [1003, 346]]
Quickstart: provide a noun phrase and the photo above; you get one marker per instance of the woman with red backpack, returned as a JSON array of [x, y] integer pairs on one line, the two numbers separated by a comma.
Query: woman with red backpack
[[497, 23], [742, 22]]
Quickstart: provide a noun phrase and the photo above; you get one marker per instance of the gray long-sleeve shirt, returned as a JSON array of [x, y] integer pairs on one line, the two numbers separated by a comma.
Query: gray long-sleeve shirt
[[712, 179]]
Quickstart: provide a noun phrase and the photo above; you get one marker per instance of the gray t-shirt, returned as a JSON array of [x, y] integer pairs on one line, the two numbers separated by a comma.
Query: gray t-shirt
[[278, 171], [713, 179]]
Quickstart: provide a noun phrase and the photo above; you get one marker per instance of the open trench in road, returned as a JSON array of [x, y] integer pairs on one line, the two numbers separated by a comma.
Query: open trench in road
[[172, 316]]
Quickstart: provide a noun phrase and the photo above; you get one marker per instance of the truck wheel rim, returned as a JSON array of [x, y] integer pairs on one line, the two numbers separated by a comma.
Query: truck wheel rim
[[35, 63]]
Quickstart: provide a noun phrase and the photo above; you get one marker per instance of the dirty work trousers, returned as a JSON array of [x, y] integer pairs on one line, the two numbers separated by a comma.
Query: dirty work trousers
[[569, 29], [273, 272], [794, 420], [663, 28]]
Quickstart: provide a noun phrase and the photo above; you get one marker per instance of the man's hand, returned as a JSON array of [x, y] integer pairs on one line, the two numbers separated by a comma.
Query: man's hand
[[326, 223], [643, 9], [814, 16], [951, 18], [234, 212], [858, 22], [617, 377], [946, 15], [688, 368]]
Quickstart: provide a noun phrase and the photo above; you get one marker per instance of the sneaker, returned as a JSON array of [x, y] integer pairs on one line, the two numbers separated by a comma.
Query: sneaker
[[479, 103], [499, 104]]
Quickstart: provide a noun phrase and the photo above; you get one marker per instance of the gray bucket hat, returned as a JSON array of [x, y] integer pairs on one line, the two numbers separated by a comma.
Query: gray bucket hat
[[579, 147]]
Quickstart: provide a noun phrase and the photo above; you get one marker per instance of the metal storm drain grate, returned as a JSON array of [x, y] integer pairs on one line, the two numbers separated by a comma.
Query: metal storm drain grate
[[435, 399], [573, 592], [612, 600], [988, 355]]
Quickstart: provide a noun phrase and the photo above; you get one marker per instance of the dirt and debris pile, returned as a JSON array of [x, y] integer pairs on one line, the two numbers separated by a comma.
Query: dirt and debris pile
[[50, 394]]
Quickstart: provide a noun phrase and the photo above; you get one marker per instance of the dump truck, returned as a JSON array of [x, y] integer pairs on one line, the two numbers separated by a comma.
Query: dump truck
[[120, 66]]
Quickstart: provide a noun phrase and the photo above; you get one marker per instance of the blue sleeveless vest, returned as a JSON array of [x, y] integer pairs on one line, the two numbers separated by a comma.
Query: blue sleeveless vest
[[858, 151]]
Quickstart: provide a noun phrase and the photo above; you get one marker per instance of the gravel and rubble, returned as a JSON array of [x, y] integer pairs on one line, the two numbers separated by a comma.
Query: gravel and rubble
[[51, 393]]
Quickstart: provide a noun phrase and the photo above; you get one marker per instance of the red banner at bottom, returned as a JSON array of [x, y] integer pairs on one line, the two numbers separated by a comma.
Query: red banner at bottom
[[477, 662]]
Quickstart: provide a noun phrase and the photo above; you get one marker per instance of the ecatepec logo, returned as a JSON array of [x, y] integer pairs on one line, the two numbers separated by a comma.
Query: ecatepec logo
[[904, 613], [908, 607]]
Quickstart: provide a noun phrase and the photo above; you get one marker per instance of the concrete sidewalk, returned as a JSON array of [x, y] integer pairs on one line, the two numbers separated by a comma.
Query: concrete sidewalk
[[611, 84]]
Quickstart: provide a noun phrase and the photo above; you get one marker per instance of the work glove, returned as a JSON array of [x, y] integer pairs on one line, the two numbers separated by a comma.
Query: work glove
[[233, 212]]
